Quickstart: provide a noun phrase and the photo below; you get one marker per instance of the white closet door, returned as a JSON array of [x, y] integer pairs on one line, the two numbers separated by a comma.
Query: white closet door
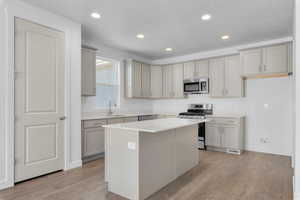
[[39, 100]]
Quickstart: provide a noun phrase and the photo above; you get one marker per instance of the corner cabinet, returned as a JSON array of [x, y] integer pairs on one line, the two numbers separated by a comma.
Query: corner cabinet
[[88, 71], [225, 77], [268, 61], [225, 134]]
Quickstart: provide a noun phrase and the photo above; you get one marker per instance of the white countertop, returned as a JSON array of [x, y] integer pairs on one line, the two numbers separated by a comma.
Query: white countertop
[[226, 115], [90, 116], [156, 125]]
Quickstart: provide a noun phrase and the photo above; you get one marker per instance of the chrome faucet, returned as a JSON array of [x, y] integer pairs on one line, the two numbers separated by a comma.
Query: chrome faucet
[[110, 112]]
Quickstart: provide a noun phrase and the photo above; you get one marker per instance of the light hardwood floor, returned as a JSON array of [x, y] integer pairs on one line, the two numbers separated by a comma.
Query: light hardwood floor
[[219, 176]]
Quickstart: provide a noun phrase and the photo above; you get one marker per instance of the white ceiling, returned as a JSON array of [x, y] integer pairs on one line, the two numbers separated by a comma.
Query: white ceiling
[[176, 23]]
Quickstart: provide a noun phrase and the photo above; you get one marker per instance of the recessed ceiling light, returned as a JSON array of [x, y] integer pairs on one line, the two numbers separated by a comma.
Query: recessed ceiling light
[[168, 49], [140, 36], [206, 17], [95, 15], [225, 37]]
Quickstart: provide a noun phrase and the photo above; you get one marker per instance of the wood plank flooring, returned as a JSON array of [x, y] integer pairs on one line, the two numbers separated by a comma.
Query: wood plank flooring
[[219, 176]]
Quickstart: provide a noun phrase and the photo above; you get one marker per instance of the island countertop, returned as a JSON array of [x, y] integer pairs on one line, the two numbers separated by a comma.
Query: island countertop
[[157, 125]]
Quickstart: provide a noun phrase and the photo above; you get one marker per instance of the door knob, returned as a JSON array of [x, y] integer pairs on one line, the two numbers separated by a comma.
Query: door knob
[[62, 118]]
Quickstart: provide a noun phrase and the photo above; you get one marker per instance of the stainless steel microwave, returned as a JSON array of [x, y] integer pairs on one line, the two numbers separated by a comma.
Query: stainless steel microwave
[[196, 86]]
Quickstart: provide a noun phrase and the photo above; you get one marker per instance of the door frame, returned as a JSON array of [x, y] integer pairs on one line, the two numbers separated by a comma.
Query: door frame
[[41, 17]]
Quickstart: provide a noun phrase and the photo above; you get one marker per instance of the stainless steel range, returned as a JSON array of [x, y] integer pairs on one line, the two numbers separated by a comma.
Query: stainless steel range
[[198, 111]]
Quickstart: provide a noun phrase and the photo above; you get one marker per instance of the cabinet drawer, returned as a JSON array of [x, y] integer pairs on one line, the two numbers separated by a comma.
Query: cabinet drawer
[[93, 123], [131, 119], [226, 121], [115, 121]]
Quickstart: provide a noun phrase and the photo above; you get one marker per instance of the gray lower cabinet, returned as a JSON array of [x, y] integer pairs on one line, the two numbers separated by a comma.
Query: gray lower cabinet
[[93, 141], [225, 134]]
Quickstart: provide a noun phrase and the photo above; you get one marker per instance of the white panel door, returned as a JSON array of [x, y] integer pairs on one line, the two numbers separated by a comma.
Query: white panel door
[[39, 100], [201, 68], [217, 77], [156, 82], [233, 79], [251, 61], [146, 77], [178, 80], [137, 79], [168, 81], [189, 70], [275, 59]]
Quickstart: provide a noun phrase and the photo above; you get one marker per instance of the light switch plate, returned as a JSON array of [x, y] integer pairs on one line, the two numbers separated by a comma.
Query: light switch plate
[[131, 145]]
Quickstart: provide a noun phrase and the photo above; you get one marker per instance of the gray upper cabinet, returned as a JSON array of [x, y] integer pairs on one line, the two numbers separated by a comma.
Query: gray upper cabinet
[[156, 82], [266, 61], [225, 77], [88, 72], [168, 81], [178, 81], [189, 70], [201, 68], [234, 84], [217, 77], [137, 79], [146, 80]]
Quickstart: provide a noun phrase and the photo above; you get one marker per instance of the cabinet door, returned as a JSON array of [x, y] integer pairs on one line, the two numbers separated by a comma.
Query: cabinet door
[[93, 141], [136, 79], [178, 80], [189, 70], [230, 138], [212, 136], [146, 74], [217, 74], [233, 79], [156, 82], [275, 59], [88, 72], [168, 81], [251, 61], [201, 68]]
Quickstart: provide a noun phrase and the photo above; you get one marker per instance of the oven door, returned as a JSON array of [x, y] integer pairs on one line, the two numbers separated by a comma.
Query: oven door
[[191, 87]]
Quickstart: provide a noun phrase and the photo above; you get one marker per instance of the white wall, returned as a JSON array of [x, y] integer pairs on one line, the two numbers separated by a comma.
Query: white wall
[[297, 102], [126, 105], [272, 121], [8, 10]]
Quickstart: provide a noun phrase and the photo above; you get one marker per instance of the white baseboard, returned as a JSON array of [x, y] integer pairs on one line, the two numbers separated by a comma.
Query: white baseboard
[[75, 164], [5, 184], [296, 196]]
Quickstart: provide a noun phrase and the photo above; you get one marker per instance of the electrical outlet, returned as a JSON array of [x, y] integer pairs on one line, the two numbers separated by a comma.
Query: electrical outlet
[[264, 140]]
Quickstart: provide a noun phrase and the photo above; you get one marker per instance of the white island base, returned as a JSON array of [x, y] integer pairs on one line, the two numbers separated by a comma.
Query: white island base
[[142, 157]]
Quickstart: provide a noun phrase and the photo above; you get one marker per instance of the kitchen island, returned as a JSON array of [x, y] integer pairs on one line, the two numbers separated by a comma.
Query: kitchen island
[[142, 157]]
